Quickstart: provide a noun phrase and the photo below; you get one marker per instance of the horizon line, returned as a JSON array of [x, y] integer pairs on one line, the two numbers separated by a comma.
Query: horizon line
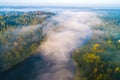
[[87, 7]]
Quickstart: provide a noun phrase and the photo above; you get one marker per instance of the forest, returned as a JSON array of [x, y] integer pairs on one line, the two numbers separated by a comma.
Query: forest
[[19, 35], [99, 58]]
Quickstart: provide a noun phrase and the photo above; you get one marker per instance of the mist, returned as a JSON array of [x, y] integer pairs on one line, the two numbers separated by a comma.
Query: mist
[[64, 33]]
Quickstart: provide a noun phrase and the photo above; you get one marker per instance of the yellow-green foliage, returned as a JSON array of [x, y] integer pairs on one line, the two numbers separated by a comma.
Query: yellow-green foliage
[[95, 61], [91, 58]]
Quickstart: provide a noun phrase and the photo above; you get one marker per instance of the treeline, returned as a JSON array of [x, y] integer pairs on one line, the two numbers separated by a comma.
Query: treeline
[[15, 48], [16, 19], [17, 42], [99, 59], [96, 61]]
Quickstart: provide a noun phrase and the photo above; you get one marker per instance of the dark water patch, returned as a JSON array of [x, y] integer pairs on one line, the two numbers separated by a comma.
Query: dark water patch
[[24, 70], [33, 68]]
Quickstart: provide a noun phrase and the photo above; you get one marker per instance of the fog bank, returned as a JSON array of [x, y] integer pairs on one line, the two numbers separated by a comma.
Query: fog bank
[[64, 33]]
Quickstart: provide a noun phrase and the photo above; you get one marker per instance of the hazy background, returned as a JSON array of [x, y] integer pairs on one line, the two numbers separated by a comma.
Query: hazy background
[[75, 3]]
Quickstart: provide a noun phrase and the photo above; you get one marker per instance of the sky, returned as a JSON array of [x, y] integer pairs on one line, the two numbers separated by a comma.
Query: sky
[[77, 3]]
